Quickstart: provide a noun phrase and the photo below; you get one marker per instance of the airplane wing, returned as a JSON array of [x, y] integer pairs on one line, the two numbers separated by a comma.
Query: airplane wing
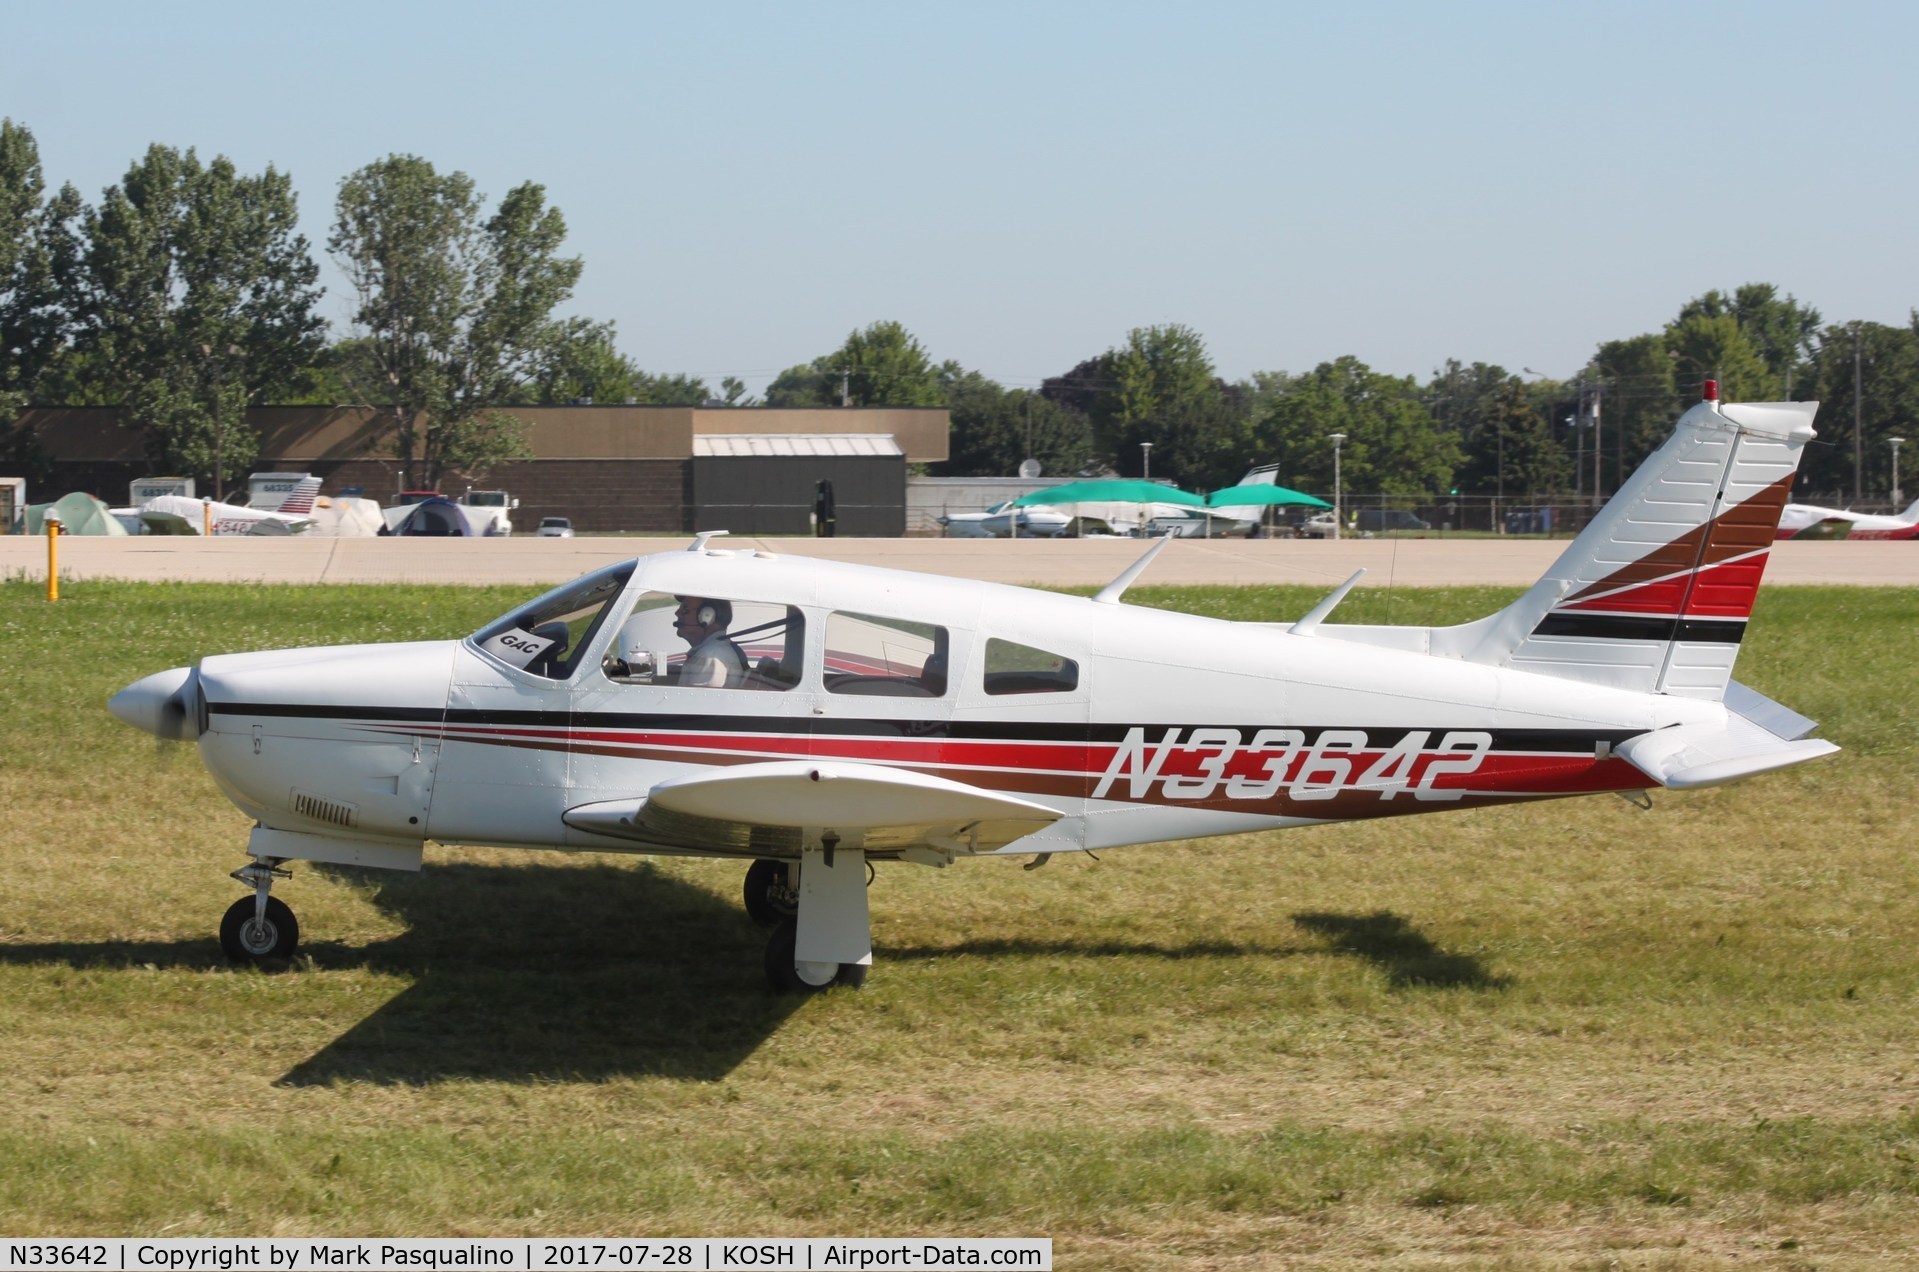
[[1826, 528], [764, 810], [160, 521]]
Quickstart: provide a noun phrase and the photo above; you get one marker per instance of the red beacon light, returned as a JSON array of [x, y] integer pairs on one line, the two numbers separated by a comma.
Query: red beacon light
[[1711, 392]]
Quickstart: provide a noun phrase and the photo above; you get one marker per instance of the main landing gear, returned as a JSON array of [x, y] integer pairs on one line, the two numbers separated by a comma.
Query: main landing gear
[[259, 927], [816, 909]]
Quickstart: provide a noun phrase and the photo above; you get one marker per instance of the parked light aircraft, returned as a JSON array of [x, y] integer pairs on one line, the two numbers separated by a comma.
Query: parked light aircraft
[[1809, 521], [286, 509], [847, 715], [183, 514]]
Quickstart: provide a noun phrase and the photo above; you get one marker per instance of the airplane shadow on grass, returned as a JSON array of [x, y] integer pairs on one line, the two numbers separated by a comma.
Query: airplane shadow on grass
[[538, 973], [1388, 941], [1402, 951], [546, 973], [526, 973]]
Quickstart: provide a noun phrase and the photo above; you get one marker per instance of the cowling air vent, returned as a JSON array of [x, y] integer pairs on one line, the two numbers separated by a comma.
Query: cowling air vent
[[331, 811]]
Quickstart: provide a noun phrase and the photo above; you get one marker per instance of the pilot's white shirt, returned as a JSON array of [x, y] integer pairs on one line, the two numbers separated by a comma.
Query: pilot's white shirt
[[715, 663]]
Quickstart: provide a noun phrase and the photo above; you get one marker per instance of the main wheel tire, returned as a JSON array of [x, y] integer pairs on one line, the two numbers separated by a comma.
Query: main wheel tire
[[769, 893], [249, 940], [787, 978]]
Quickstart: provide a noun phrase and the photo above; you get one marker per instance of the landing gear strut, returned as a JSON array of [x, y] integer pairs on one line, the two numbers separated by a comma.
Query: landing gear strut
[[259, 927]]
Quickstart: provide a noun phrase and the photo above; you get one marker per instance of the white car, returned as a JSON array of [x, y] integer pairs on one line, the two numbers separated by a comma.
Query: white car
[[555, 528], [996, 523]]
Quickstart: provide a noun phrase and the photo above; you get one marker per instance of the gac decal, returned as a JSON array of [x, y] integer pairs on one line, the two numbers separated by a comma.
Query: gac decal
[[1195, 765]]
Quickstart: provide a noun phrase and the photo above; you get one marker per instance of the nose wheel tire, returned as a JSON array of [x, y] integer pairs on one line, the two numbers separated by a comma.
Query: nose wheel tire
[[805, 978], [769, 893], [249, 938]]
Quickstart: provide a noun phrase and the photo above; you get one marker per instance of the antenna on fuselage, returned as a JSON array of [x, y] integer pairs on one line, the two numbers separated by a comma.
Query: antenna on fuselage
[[1305, 626], [699, 540], [1110, 594]]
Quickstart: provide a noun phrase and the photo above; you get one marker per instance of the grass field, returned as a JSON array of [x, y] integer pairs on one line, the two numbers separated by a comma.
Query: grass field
[[1576, 1035]]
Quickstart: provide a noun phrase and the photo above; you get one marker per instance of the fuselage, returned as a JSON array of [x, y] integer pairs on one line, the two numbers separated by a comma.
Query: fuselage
[[1136, 724], [1811, 521]]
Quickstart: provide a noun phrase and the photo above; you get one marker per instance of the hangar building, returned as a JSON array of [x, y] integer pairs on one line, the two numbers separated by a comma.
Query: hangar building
[[663, 469]]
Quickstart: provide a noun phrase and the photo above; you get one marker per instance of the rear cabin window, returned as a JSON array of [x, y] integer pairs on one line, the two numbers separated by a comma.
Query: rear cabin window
[[884, 657], [1015, 668]]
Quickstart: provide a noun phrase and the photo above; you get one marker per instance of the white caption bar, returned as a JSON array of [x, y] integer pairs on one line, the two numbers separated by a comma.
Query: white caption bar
[[596, 1254]]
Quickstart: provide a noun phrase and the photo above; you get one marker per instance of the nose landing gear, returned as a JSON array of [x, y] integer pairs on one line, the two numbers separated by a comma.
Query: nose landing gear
[[259, 927]]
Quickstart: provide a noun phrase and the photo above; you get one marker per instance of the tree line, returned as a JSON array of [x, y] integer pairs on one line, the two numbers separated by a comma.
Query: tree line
[[187, 294]]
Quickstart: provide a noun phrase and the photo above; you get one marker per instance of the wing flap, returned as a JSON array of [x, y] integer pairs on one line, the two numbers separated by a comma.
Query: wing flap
[[767, 809]]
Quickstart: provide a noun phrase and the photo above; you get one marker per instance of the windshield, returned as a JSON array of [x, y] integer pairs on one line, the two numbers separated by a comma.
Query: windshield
[[546, 636]]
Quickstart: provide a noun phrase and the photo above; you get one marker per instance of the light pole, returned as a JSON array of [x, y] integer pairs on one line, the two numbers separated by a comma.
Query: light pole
[[1337, 439], [1896, 443], [1145, 461]]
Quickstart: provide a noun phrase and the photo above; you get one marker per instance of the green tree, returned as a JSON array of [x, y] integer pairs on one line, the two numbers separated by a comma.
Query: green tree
[[1393, 445], [1160, 388], [587, 366], [35, 321], [1638, 402], [879, 365], [1782, 332], [195, 296], [1497, 421], [1854, 463], [994, 431], [457, 311], [1707, 347]]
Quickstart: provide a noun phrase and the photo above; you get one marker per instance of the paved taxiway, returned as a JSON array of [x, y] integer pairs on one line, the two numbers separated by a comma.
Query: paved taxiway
[[1083, 562]]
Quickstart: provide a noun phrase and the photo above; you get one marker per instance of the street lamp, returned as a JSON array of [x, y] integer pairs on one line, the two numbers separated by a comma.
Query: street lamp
[[1896, 443], [1145, 461], [1337, 439]]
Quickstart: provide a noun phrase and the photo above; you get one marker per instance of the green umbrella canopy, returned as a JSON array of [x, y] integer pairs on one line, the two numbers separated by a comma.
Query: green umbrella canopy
[[1117, 491], [1263, 494]]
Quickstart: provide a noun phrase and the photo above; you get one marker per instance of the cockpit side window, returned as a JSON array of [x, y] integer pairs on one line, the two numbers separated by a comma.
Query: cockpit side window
[[546, 636], [885, 657], [707, 642], [1015, 668]]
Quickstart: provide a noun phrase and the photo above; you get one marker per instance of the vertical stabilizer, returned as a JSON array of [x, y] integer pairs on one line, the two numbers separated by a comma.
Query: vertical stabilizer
[[1655, 593]]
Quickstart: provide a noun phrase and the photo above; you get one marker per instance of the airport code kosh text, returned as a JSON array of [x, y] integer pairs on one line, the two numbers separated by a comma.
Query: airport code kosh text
[[215, 1254]]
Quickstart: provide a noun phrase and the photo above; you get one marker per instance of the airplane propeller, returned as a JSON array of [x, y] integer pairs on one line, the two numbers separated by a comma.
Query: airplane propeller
[[167, 704]]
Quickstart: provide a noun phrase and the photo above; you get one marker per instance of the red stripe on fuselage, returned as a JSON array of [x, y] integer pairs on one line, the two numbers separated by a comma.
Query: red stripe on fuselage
[[1178, 776]]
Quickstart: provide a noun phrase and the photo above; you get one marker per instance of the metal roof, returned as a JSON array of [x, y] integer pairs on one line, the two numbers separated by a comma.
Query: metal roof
[[764, 445]]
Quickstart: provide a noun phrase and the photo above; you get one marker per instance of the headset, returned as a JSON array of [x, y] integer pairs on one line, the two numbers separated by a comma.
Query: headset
[[710, 612]]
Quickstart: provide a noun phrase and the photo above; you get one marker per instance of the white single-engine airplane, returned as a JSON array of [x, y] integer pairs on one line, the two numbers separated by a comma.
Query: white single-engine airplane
[[809, 717], [1810, 521], [183, 514]]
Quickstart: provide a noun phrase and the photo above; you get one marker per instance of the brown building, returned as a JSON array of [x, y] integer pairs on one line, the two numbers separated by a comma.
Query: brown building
[[608, 468]]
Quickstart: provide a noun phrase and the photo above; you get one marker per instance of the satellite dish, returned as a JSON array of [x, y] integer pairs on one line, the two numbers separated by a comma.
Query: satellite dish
[[1029, 468]]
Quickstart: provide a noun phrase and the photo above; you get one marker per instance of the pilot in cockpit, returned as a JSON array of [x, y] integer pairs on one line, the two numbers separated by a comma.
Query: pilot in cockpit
[[714, 661]]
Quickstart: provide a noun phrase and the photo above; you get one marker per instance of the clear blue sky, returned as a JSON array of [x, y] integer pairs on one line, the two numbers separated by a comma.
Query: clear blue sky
[[1020, 184]]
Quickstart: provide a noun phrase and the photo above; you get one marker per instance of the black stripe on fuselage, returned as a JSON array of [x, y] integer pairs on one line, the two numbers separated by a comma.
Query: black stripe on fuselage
[[1541, 741], [1718, 631]]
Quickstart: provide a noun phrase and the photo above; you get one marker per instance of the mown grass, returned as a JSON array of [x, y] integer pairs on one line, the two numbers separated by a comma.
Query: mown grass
[[1574, 1035]]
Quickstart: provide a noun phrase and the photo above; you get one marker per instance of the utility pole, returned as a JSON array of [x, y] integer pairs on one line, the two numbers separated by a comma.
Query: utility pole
[[1599, 391], [1858, 437]]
